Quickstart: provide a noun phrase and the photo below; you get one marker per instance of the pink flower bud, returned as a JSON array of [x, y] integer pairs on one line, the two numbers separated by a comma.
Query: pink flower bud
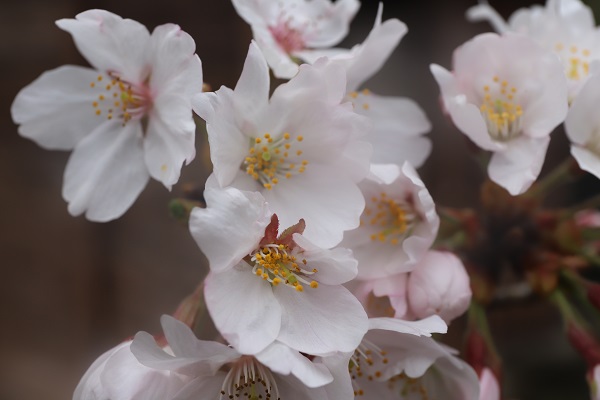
[[439, 285], [489, 387]]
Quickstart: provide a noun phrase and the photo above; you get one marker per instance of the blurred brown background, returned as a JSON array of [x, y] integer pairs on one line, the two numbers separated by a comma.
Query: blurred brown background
[[70, 289]]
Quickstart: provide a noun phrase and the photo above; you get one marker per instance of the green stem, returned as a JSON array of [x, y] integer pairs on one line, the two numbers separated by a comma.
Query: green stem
[[478, 318], [576, 285], [592, 202], [561, 174]]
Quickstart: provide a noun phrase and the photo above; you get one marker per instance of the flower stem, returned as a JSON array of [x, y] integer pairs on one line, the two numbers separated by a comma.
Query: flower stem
[[561, 174], [592, 202]]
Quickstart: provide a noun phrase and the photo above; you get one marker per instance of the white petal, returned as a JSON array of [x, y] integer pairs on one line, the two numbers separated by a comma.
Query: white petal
[[517, 167], [230, 227], [583, 119], [175, 68], [89, 386], [110, 43], [334, 24], [587, 160], [106, 172], [252, 89], [283, 360], [169, 140], [321, 320], [201, 387], [280, 62], [56, 109], [334, 266], [423, 327], [483, 12], [490, 390], [341, 387], [243, 308]]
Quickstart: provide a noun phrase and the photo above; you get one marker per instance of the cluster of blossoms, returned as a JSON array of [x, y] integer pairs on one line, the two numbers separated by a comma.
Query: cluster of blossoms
[[324, 279]]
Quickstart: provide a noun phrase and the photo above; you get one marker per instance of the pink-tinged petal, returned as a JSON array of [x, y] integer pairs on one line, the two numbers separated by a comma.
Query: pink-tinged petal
[[230, 227], [397, 124], [315, 196], [334, 24], [243, 308], [110, 43], [375, 50], [310, 56], [106, 172], [56, 109], [423, 327], [252, 89], [201, 387], [125, 378], [169, 141], [583, 119], [334, 266], [277, 58], [176, 70], [519, 165], [394, 288], [587, 160], [453, 379], [489, 388], [285, 361], [90, 386], [321, 320]]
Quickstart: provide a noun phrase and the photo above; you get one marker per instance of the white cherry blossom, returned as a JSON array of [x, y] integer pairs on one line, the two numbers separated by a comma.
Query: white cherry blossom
[[507, 94], [126, 120], [566, 27], [264, 286], [583, 127], [303, 148], [398, 225], [285, 30]]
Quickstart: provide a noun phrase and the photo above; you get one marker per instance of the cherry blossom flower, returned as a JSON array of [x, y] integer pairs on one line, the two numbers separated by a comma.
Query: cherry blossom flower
[[398, 225], [506, 94], [302, 149], [398, 122], [127, 120], [439, 285], [583, 127], [285, 30], [189, 368], [566, 27], [264, 287]]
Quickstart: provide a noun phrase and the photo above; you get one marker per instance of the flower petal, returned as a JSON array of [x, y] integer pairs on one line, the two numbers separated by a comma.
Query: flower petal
[[106, 172], [56, 109], [252, 89], [334, 23], [423, 327], [230, 227], [322, 320], [110, 43], [243, 308], [586, 160]]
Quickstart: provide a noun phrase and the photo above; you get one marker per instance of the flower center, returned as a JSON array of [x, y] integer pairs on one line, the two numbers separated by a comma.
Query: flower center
[[275, 264], [366, 363], [250, 379], [269, 159], [360, 99], [288, 38], [575, 60], [501, 113], [410, 388], [395, 218], [120, 99]]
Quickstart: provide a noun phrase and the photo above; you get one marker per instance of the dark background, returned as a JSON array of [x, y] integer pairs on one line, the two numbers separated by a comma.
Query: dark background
[[70, 289]]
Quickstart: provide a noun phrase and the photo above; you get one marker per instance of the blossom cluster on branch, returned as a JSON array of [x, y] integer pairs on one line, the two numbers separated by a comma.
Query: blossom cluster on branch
[[330, 267]]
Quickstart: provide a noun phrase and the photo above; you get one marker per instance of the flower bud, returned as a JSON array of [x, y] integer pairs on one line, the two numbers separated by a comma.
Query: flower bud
[[489, 386], [439, 285]]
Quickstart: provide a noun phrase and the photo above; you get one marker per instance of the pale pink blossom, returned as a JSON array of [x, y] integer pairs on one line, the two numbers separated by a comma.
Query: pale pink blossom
[[290, 29], [489, 387], [398, 225], [268, 285], [126, 120], [507, 94], [303, 149], [566, 27], [439, 285]]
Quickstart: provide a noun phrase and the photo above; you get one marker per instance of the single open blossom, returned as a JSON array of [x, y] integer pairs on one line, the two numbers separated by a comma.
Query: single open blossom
[[398, 360], [302, 149], [507, 94], [126, 120], [566, 27], [187, 368], [290, 29], [439, 285], [583, 127], [264, 286], [398, 225], [398, 122]]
